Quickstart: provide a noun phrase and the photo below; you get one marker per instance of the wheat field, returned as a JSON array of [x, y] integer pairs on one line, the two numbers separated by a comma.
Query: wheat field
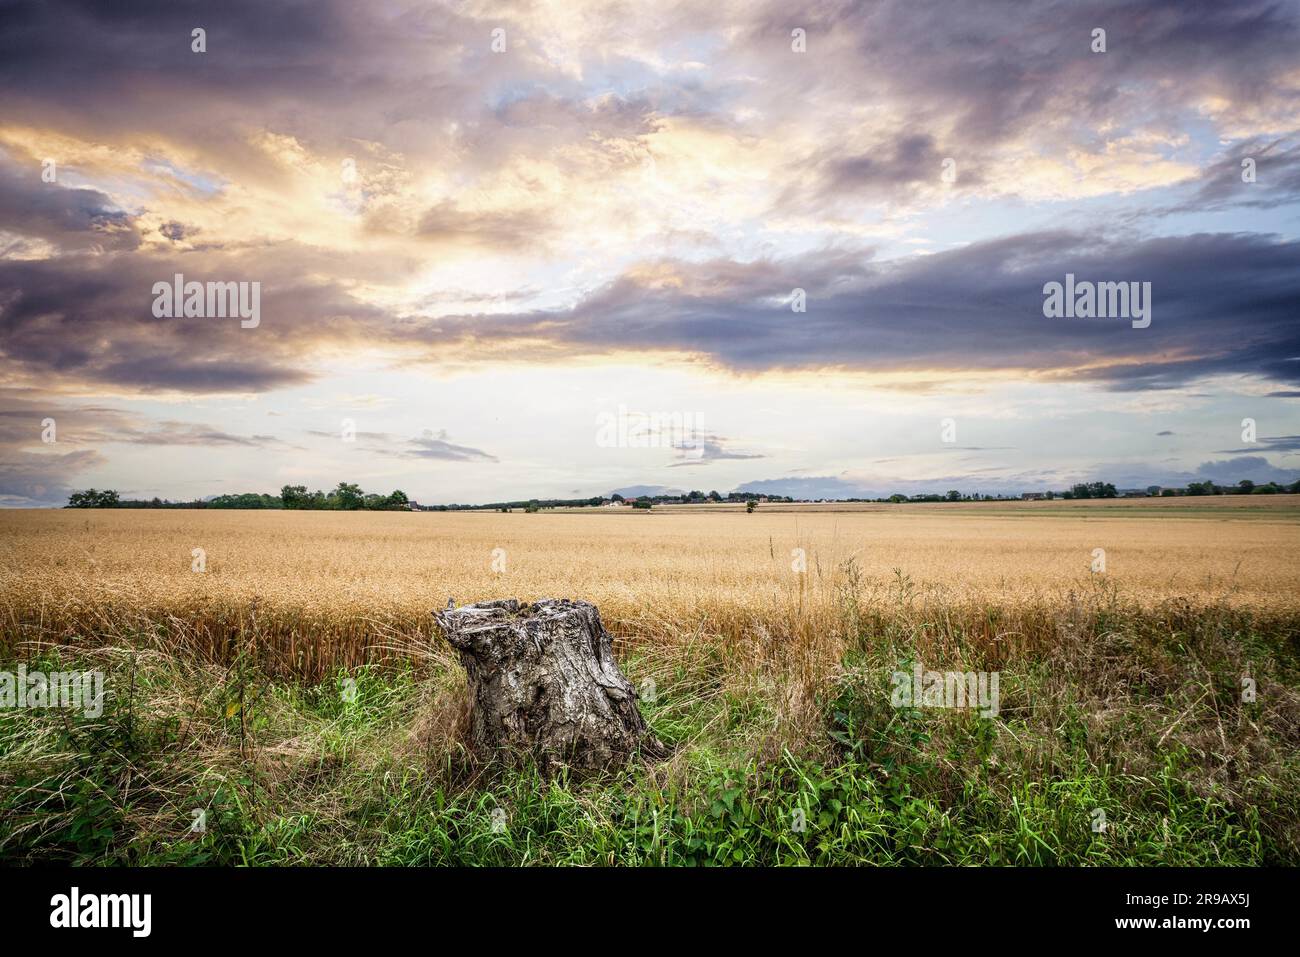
[[327, 588], [682, 558], [768, 639]]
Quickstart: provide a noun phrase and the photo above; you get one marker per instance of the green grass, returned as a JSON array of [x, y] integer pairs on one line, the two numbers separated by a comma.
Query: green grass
[[1140, 719]]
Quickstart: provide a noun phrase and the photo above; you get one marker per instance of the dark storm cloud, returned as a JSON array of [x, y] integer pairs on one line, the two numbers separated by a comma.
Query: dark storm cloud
[[330, 72], [1222, 303], [909, 159], [333, 69], [69, 218], [994, 67], [990, 82], [89, 320], [893, 169], [969, 77]]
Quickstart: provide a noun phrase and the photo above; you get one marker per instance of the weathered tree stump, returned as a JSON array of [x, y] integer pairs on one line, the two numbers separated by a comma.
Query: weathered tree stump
[[543, 681]]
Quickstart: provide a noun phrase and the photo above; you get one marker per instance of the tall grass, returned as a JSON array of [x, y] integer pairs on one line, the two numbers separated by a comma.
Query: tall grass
[[785, 746]]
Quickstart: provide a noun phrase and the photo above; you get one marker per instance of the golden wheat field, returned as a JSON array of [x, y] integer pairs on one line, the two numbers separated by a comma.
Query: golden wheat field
[[347, 577], [627, 560]]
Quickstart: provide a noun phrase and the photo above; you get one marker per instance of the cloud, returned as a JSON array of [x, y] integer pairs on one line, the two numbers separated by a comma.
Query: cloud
[[706, 448], [1222, 304], [34, 473], [1220, 471], [427, 445], [637, 491], [1220, 185], [1254, 467], [69, 218], [29, 480], [1279, 443], [192, 434], [88, 321]]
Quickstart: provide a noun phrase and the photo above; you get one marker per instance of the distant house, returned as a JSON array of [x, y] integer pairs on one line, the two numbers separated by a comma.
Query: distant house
[[612, 504], [1133, 493], [1032, 497]]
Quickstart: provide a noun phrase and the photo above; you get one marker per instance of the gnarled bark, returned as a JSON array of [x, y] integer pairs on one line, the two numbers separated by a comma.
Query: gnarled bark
[[543, 681]]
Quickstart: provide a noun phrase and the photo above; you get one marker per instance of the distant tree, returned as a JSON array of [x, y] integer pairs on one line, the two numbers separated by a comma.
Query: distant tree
[[295, 496], [1093, 490], [1246, 486], [897, 497], [954, 495], [616, 498], [92, 498], [348, 496], [750, 506], [644, 503]]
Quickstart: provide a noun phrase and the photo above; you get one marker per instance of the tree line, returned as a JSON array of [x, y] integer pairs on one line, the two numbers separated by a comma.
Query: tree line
[[346, 497]]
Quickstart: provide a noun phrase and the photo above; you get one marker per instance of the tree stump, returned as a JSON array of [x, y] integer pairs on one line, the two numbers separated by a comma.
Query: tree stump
[[543, 681]]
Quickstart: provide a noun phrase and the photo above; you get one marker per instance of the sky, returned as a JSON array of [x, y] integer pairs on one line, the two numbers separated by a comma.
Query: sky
[[556, 249]]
